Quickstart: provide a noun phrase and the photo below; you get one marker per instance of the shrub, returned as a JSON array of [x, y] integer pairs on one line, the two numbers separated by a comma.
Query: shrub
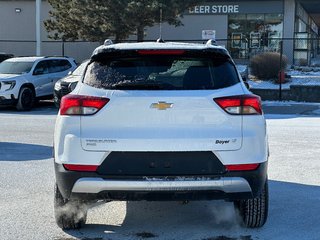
[[267, 65], [301, 62]]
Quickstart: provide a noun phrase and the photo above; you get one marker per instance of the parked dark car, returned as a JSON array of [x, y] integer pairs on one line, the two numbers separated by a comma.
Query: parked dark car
[[66, 85], [4, 56], [244, 72]]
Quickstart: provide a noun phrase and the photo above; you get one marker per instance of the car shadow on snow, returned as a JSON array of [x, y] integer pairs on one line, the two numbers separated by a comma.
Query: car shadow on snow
[[10, 151], [293, 214], [45, 107]]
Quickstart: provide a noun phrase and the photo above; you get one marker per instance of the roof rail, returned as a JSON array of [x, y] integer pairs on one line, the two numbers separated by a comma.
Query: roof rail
[[211, 42], [160, 40], [107, 42], [56, 56]]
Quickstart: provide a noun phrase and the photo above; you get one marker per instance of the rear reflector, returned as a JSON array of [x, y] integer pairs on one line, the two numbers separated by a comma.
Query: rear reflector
[[240, 105], [81, 105], [81, 168], [161, 52], [242, 167]]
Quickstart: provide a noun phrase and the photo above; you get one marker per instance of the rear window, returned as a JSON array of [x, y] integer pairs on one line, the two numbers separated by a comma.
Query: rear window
[[161, 73], [58, 65], [8, 67]]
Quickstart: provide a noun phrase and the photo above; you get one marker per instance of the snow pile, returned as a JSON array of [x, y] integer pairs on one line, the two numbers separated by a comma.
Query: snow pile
[[311, 78]]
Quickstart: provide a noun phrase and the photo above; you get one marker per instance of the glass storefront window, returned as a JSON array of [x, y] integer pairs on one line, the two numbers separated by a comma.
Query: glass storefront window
[[255, 22], [273, 31], [237, 23], [237, 27], [257, 33], [300, 26], [273, 23], [302, 48], [301, 58], [301, 41]]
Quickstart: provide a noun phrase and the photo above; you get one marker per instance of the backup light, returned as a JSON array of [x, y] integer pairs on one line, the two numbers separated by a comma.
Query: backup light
[[240, 105], [81, 105]]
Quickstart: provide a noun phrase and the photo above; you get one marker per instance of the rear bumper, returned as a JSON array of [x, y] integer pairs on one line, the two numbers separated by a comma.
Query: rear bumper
[[96, 185], [93, 186]]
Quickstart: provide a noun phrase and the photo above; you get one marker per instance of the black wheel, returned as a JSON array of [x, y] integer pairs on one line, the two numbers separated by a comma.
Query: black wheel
[[69, 214], [26, 99], [254, 212]]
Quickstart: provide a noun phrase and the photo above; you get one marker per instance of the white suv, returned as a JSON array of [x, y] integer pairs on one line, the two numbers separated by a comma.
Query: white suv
[[25, 79], [160, 121]]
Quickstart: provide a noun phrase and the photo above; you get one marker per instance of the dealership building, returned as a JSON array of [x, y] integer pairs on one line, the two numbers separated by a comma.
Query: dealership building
[[244, 27]]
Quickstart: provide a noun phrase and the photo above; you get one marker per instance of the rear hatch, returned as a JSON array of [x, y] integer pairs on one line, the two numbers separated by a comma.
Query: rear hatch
[[161, 102]]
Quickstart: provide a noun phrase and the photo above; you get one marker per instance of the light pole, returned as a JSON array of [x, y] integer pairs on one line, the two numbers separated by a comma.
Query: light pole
[[38, 27]]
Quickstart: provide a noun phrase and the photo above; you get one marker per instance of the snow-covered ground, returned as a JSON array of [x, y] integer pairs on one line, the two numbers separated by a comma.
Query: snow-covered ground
[[27, 180], [297, 78]]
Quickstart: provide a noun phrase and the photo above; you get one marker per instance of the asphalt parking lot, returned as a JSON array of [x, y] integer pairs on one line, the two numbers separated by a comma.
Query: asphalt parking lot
[[27, 180]]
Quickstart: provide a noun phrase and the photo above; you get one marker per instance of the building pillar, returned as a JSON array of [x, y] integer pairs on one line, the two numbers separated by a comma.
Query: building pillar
[[38, 27], [289, 12]]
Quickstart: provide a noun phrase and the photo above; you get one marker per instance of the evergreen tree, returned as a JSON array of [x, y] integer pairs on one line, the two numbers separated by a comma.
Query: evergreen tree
[[96, 20]]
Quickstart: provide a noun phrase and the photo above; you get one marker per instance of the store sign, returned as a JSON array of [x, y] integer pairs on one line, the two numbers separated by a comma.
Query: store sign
[[214, 9], [208, 34], [235, 7]]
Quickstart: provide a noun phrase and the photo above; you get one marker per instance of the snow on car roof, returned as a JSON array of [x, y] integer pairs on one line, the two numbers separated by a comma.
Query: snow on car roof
[[156, 45], [24, 59], [32, 59]]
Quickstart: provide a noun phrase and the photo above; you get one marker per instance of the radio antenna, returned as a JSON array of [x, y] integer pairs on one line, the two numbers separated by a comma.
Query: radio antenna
[[160, 25]]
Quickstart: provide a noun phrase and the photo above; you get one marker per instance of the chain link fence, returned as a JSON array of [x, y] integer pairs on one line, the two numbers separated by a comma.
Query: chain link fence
[[303, 54], [301, 51], [79, 50]]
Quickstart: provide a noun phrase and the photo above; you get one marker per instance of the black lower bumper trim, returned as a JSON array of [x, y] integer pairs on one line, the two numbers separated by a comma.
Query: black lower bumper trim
[[7, 102], [161, 164]]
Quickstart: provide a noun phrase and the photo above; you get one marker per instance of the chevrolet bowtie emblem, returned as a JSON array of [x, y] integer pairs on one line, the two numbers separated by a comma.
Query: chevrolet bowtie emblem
[[161, 105]]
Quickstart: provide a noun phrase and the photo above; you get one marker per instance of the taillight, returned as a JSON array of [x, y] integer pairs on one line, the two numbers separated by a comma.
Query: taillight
[[81, 168], [240, 105], [242, 167], [81, 105]]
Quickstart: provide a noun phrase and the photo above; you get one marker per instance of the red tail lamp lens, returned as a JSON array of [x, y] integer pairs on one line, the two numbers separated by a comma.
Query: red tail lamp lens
[[81, 105], [81, 168], [240, 105], [242, 167]]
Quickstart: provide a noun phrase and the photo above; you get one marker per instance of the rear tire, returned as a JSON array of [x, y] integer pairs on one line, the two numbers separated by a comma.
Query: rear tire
[[254, 212], [69, 214], [26, 99]]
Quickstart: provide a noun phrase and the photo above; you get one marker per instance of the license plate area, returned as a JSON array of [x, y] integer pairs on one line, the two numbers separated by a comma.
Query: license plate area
[[161, 164]]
